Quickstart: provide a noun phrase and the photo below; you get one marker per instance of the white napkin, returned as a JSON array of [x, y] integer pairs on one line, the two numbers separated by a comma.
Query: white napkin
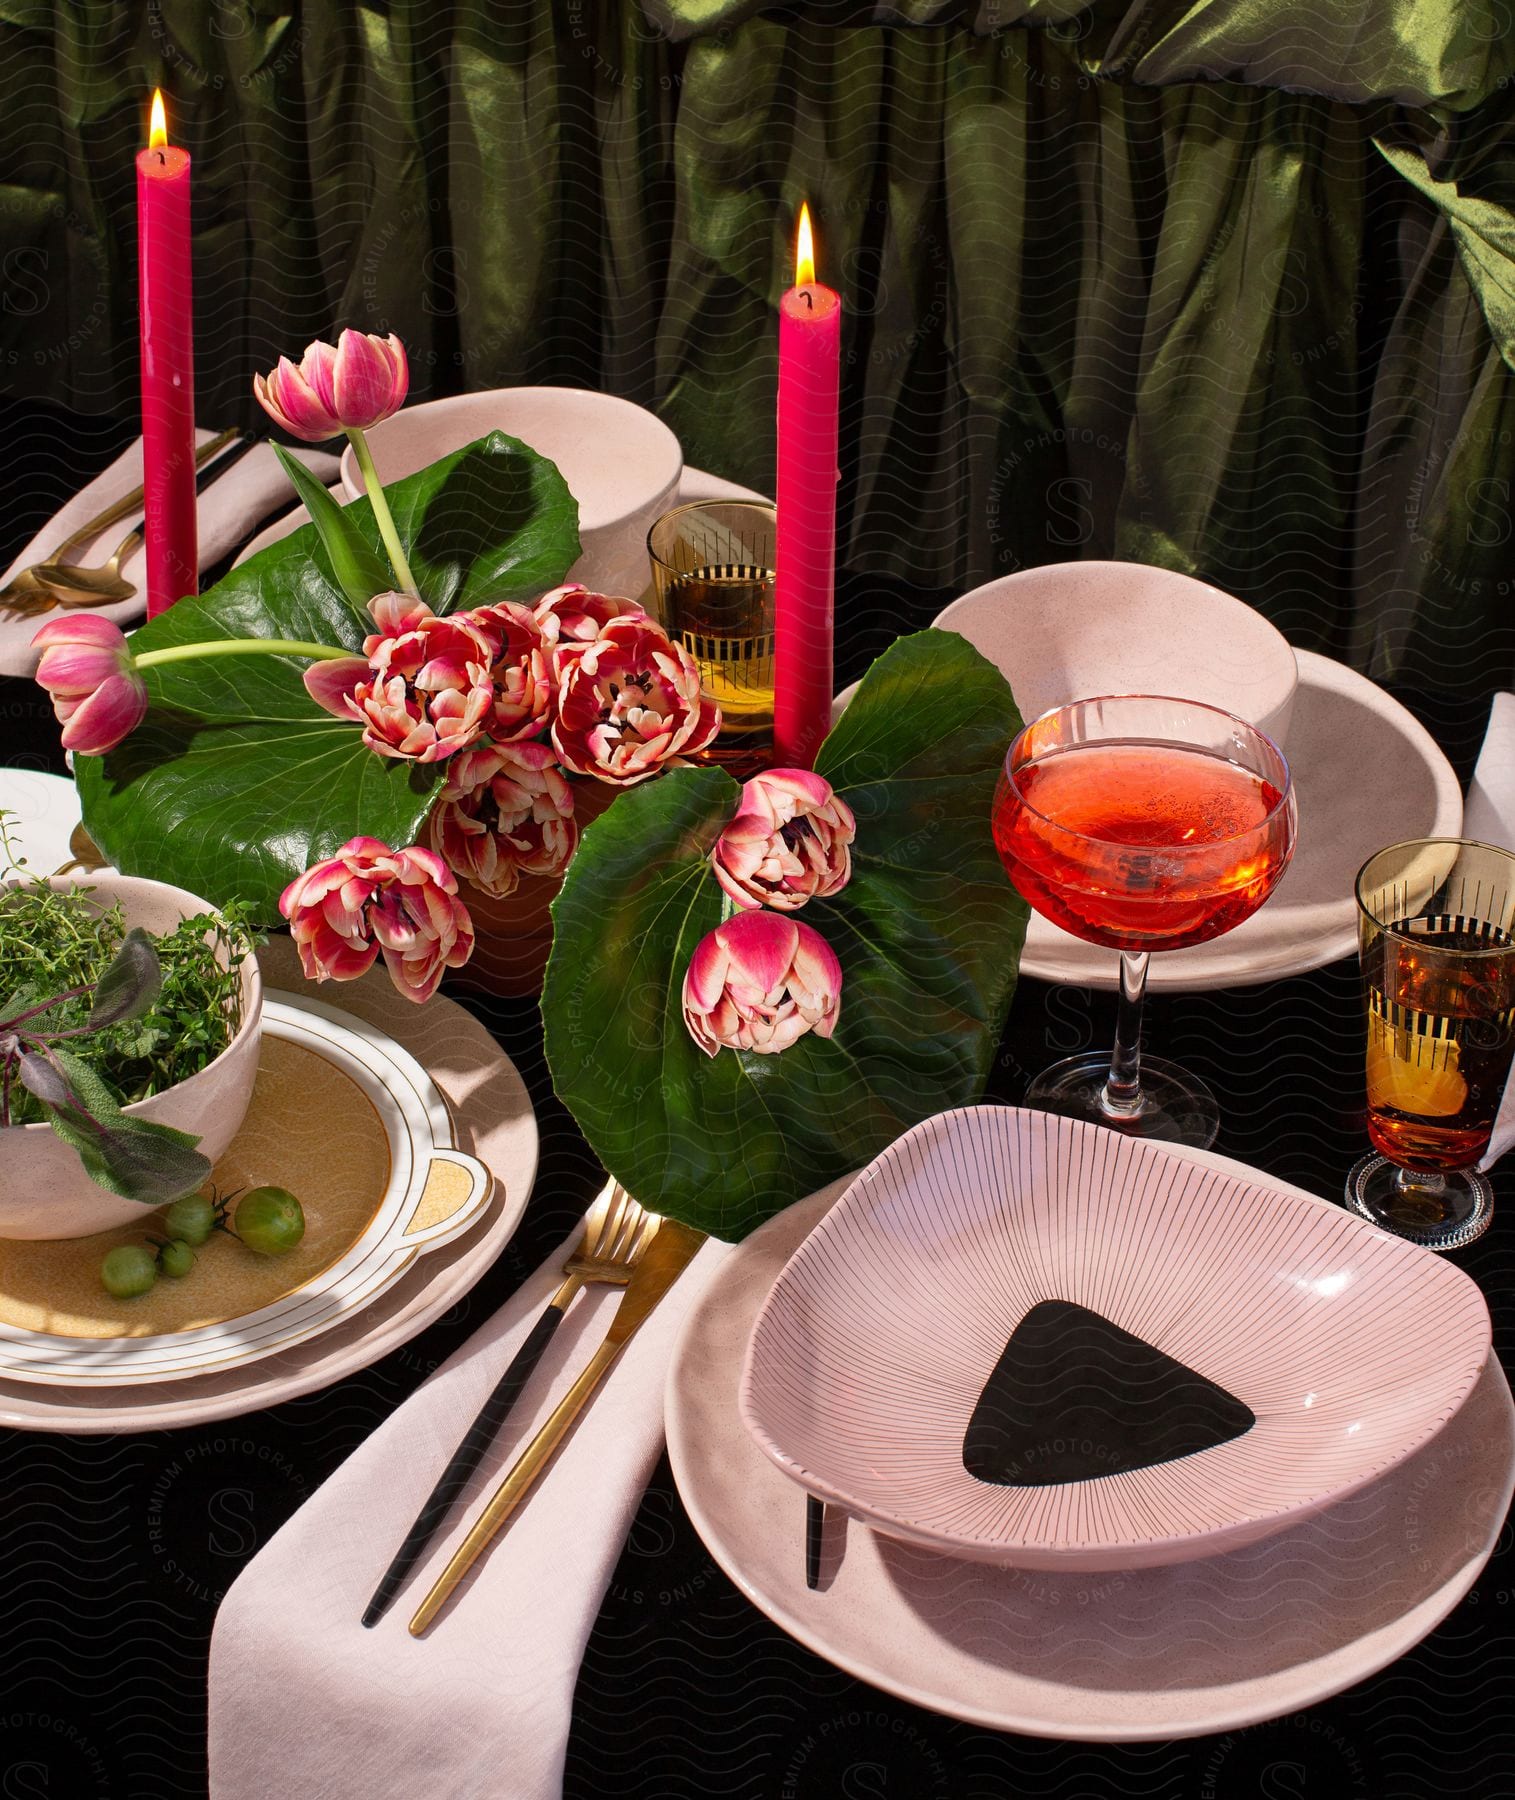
[[233, 503], [1489, 816], [304, 1700]]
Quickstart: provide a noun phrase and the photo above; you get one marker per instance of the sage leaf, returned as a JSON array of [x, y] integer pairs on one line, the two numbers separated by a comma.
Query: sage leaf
[[40, 1077], [130, 985], [128, 1156]]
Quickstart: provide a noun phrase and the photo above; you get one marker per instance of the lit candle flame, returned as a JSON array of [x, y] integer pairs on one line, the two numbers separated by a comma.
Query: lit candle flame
[[157, 131], [804, 249]]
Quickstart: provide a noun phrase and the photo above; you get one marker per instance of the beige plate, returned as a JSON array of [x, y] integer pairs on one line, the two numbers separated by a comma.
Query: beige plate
[[1141, 1655], [494, 1120]]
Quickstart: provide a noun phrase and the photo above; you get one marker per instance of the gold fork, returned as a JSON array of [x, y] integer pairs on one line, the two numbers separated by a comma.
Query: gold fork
[[616, 1234]]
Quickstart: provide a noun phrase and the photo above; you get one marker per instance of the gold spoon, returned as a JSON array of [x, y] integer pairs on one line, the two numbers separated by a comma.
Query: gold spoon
[[72, 584]]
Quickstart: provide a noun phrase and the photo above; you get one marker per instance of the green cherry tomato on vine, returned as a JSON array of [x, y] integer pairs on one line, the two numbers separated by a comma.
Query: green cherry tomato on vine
[[128, 1270], [176, 1259], [269, 1220], [191, 1220]]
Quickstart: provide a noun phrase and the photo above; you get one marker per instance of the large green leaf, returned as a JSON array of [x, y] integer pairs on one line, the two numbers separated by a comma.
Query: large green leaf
[[237, 780], [928, 931]]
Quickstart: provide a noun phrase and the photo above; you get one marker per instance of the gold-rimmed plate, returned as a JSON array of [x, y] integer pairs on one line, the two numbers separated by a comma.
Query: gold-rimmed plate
[[342, 1115]]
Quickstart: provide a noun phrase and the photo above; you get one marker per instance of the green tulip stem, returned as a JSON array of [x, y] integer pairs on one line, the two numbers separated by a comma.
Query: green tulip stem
[[240, 647], [382, 516]]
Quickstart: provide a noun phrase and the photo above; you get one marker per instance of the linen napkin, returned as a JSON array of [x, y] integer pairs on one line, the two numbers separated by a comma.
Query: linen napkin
[[479, 1708], [1489, 816], [229, 508]]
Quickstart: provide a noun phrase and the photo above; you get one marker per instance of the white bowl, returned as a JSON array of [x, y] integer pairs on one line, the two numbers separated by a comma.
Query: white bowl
[[361, 1093], [950, 1356], [1071, 631], [622, 464], [44, 1191]]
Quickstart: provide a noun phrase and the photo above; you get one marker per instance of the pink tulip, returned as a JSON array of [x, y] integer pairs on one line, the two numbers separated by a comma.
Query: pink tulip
[[363, 380], [96, 692], [426, 689], [787, 843], [369, 900], [758, 982], [629, 703], [505, 811], [522, 685], [571, 617]]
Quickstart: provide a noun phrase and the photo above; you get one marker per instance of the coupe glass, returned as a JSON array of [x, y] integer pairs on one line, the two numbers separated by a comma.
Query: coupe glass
[[1436, 935], [1141, 823]]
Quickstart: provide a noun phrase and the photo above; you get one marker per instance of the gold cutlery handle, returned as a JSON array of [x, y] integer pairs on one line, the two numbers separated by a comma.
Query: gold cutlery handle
[[517, 1483], [128, 503]]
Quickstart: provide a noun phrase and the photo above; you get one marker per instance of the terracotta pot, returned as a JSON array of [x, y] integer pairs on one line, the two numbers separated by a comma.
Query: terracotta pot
[[44, 1191], [513, 936]]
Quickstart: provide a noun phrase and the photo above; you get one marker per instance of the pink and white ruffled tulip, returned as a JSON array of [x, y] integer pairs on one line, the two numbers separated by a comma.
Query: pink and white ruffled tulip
[[87, 669], [522, 681], [349, 387], [758, 982], [629, 703], [369, 900], [788, 842], [571, 617], [426, 689], [505, 811]]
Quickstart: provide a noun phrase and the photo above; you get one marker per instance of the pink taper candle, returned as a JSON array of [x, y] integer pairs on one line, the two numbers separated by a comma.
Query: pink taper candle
[[168, 369], [810, 339]]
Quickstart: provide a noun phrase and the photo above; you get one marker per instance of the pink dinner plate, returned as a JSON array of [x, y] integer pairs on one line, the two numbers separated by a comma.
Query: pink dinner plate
[[1141, 1655], [1027, 1340]]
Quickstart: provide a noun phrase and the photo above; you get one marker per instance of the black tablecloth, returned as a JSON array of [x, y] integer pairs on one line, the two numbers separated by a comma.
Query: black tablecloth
[[115, 1551]]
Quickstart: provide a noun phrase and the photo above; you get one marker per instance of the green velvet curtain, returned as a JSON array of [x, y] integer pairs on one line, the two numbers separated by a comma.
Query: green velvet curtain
[[1227, 285]]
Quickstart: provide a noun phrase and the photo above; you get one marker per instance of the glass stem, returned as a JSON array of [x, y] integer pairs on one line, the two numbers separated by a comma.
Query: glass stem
[[1122, 1094], [1417, 1181]]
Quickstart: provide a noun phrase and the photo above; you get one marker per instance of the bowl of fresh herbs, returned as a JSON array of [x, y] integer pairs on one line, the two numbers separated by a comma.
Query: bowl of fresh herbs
[[129, 1021]]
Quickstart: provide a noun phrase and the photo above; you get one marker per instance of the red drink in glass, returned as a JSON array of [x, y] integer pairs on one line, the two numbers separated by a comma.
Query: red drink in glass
[[1141, 822], [1140, 846]]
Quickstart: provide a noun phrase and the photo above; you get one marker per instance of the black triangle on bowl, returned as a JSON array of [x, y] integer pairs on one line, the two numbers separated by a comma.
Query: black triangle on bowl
[[1075, 1397]]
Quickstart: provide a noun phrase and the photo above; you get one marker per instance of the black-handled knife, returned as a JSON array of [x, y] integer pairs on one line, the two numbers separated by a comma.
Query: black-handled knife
[[465, 1459]]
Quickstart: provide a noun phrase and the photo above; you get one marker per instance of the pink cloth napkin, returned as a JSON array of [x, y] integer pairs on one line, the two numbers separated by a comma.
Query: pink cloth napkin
[[249, 490], [479, 1708]]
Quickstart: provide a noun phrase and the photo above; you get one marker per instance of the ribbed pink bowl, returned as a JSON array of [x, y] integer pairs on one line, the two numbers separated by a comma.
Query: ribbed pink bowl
[[1350, 1347]]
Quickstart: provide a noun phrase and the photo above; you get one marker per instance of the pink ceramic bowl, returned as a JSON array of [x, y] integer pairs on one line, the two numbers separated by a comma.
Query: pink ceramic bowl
[[44, 1192], [910, 1366], [1068, 631], [621, 462]]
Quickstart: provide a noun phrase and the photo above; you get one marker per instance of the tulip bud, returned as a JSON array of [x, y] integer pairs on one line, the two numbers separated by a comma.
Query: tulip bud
[[787, 843], [87, 669], [362, 381], [760, 981]]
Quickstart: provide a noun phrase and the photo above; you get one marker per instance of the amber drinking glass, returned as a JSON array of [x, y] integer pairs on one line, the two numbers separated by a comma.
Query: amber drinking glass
[[1141, 823], [713, 590], [1436, 939]]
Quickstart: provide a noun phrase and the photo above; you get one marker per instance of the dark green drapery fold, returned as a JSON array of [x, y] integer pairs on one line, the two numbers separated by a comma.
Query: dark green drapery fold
[[1227, 285]]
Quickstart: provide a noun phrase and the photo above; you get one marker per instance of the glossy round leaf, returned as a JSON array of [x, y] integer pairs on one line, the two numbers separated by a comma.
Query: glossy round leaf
[[928, 932], [237, 781]]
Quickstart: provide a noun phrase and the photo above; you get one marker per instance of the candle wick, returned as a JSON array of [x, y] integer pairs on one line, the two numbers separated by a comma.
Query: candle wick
[[161, 155], [808, 298]]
